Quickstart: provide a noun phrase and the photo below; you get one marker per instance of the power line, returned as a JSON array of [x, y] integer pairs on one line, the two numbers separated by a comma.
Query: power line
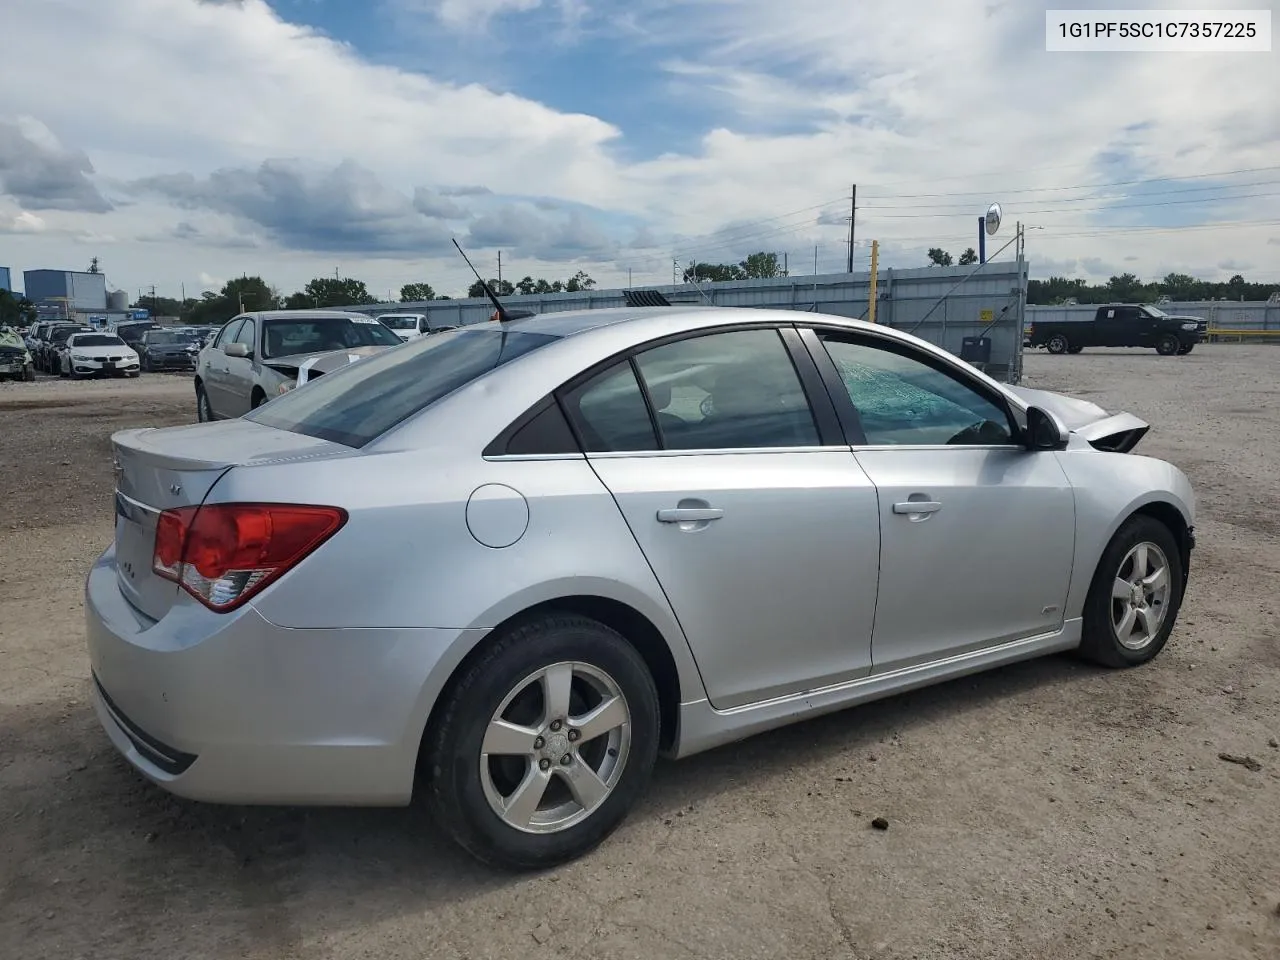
[[1108, 208], [1114, 196], [1077, 166]]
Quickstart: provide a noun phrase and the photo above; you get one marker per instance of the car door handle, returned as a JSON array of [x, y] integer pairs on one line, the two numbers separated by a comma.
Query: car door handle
[[917, 506], [689, 514]]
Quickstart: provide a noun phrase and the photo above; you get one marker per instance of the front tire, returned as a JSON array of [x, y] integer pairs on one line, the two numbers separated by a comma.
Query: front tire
[[1135, 596], [1074, 349], [204, 413], [1058, 344], [542, 745], [1168, 345]]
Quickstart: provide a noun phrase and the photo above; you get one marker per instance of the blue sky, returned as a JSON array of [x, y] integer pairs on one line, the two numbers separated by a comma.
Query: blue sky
[[187, 141]]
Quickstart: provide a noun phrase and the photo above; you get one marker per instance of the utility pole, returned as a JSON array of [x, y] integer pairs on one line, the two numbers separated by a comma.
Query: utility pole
[[875, 267], [499, 272], [628, 278], [785, 271], [815, 259], [853, 213]]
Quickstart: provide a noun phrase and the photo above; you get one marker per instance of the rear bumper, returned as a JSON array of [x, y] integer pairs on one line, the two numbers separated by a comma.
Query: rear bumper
[[231, 708]]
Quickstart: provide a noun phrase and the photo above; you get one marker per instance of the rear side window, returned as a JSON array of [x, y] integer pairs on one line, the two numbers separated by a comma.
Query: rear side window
[[360, 402], [611, 413]]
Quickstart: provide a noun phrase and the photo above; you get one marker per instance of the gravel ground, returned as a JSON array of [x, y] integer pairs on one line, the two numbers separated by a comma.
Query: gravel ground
[[1047, 810]]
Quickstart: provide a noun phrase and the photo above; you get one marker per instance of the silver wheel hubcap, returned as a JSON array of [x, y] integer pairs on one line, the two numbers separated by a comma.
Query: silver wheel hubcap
[[1140, 596], [555, 748]]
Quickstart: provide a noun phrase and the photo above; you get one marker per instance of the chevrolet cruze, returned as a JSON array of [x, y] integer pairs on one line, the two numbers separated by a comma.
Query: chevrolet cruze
[[598, 537]]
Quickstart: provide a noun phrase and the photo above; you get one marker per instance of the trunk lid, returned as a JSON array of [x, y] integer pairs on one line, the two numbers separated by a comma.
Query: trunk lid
[[157, 469]]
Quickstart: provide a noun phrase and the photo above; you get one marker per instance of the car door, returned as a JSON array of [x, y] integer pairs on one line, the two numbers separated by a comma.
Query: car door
[[216, 367], [764, 539], [977, 533], [240, 371]]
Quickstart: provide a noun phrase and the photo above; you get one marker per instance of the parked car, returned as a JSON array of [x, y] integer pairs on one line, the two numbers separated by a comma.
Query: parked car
[[15, 359], [52, 348], [131, 331], [601, 535], [257, 356], [406, 325], [96, 354], [1120, 325], [161, 349]]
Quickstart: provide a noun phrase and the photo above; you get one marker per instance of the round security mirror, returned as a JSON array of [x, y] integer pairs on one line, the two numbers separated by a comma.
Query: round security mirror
[[993, 219]]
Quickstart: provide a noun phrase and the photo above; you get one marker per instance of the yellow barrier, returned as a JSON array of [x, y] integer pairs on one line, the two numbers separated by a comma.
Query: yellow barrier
[[1230, 332]]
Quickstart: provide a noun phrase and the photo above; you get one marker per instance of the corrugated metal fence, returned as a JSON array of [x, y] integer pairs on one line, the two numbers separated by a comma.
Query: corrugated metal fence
[[924, 301]]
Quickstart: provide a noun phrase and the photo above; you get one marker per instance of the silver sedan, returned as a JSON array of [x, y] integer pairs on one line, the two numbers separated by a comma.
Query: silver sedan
[[598, 537]]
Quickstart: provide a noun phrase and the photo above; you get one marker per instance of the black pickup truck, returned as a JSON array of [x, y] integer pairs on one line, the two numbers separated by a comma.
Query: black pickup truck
[[1120, 325]]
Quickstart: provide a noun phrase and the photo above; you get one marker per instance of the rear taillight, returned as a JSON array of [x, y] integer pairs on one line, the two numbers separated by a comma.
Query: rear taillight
[[222, 554]]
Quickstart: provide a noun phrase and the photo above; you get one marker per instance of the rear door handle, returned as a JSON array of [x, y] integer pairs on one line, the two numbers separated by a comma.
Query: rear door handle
[[689, 514], [917, 506]]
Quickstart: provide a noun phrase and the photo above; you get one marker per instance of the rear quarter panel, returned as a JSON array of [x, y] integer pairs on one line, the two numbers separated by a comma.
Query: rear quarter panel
[[407, 556]]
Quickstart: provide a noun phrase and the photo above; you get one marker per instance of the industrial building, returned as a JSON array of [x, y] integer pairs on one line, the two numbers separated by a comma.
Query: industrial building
[[77, 292], [77, 295], [6, 279]]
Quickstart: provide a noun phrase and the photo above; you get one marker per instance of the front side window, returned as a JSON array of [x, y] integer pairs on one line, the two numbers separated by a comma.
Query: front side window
[[901, 400], [360, 401], [227, 333], [730, 390], [245, 334]]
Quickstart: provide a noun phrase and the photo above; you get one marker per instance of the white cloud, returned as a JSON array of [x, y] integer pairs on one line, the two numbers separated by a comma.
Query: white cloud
[[205, 99], [28, 222]]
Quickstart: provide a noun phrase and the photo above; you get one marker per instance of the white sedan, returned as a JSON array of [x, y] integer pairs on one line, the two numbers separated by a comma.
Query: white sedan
[[97, 354]]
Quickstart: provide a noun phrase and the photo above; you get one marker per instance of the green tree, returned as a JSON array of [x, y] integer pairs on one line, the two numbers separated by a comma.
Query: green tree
[[939, 257], [714, 272], [16, 311], [760, 265], [969, 256], [500, 289], [329, 292], [578, 282], [159, 306], [416, 291], [1126, 288]]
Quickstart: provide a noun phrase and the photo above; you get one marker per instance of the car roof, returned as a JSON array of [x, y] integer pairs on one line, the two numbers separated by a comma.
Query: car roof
[[306, 314]]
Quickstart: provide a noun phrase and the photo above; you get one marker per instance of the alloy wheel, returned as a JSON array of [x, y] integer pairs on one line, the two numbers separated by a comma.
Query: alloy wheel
[[1140, 596], [556, 747]]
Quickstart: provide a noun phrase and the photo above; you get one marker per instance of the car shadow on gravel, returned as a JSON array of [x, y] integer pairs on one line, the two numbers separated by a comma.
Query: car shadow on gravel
[[73, 811]]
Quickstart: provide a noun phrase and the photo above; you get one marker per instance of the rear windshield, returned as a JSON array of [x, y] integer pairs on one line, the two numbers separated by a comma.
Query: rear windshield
[[315, 334], [357, 403], [167, 336], [96, 340]]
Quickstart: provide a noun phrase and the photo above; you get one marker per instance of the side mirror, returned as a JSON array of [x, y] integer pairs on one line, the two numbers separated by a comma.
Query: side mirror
[[236, 350], [1044, 431]]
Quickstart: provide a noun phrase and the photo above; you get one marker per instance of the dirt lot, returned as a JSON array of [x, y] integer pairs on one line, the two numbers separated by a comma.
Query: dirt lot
[[1048, 810]]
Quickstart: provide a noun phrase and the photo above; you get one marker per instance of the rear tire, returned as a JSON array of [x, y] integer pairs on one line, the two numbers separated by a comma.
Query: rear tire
[[470, 790], [1117, 621], [1168, 345], [1185, 349], [1058, 344]]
